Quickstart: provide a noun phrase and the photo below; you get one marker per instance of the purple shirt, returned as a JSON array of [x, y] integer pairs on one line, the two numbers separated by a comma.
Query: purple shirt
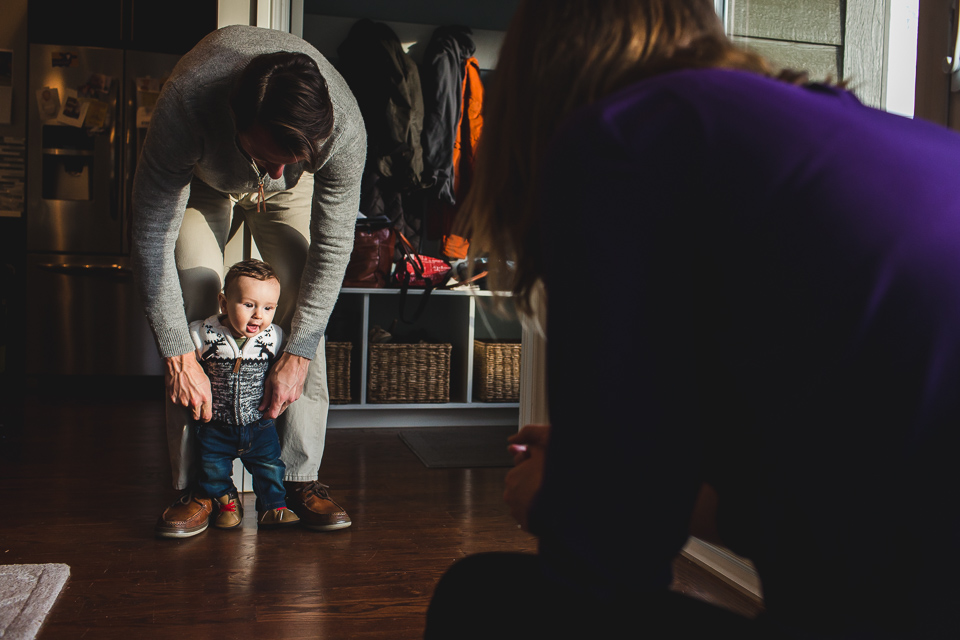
[[757, 285]]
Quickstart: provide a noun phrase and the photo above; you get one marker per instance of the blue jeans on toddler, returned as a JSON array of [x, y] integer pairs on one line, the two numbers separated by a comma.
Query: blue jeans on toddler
[[257, 446]]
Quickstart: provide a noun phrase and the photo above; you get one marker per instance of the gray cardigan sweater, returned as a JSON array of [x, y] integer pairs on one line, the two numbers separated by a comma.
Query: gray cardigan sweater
[[192, 134]]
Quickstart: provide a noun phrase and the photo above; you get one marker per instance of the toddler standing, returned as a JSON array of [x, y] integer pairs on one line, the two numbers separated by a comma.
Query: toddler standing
[[236, 349]]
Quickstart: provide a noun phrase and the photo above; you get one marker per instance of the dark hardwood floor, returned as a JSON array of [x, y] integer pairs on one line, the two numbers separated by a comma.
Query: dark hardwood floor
[[84, 475]]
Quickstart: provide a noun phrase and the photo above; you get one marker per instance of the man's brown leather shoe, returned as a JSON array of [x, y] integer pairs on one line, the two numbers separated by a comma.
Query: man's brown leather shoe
[[317, 511], [186, 517]]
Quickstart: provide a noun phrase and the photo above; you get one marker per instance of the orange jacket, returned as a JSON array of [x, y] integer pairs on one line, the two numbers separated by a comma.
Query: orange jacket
[[469, 127]]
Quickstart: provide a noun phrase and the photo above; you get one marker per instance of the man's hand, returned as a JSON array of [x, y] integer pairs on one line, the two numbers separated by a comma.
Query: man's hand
[[529, 448], [284, 384], [188, 386]]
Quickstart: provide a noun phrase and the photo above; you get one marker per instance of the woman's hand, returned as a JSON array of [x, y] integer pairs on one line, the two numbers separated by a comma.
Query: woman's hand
[[535, 435], [529, 448]]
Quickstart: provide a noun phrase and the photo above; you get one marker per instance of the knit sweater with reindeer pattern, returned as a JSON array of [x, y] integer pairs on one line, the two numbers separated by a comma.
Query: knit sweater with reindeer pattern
[[237, 374]]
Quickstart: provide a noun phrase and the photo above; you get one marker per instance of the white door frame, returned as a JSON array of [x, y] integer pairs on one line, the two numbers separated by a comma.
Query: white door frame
[[936, 43]]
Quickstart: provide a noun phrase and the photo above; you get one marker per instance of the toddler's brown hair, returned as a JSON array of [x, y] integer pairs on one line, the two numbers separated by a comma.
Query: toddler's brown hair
[[251, 268]]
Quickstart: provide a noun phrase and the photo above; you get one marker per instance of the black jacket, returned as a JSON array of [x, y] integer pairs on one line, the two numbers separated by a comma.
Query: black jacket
[[386, 83], [442, 72]]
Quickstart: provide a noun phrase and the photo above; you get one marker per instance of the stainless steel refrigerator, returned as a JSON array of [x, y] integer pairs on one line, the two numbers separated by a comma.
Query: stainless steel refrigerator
[[87, 119]]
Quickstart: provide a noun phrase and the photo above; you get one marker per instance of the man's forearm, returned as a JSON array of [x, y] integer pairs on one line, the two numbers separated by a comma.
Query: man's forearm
[[161, 190]]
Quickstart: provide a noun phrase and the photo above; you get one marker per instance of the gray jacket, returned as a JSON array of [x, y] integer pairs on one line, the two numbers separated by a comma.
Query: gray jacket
[[192, 134]]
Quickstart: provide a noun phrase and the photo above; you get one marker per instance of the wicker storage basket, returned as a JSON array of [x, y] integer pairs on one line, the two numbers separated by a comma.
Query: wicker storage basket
[[338, 371], [496, 371], [409, 373]]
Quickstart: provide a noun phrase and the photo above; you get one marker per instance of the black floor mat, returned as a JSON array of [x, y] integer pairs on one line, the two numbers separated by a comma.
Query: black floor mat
[[455, 447]]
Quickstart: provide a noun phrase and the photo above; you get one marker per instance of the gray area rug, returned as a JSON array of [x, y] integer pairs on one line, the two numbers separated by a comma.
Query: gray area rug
[[460, 447], [27, 593]]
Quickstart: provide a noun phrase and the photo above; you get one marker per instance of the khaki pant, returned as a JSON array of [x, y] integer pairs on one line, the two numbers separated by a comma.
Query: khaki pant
[[282, 234]]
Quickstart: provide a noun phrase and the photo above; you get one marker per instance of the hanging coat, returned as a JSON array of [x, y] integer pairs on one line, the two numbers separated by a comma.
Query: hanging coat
[[442, 73], [464, 156], [386, 84], [469, 127]]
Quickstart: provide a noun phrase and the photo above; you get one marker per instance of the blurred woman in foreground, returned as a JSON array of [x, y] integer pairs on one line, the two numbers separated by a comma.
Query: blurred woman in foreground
[[753, 295]]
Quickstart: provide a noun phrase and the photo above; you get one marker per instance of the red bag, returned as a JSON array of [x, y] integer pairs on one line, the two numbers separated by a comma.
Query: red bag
[[372, 258], [415, 270], [425, 271]]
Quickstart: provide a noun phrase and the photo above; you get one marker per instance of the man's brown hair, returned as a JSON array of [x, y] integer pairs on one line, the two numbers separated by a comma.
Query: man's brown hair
[[285, 93]]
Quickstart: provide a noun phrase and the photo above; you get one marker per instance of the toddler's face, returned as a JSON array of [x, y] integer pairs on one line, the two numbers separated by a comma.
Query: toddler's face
[[250, 305]]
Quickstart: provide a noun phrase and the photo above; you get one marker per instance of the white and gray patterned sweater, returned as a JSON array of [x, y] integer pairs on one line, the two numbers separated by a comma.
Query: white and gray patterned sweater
[[237, 375]]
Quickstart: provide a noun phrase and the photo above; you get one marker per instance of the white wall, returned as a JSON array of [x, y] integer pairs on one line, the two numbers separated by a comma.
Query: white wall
[[901, 57]]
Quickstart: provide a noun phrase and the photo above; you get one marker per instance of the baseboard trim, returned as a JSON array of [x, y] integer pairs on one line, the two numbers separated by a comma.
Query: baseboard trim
[[738, 571]]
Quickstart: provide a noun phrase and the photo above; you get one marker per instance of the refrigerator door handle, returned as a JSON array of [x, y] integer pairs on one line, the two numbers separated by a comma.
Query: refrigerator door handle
[[86, 269], [66, 152]]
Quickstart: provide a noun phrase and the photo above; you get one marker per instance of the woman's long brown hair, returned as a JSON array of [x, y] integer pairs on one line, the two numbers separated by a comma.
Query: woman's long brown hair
[[557, 56]]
